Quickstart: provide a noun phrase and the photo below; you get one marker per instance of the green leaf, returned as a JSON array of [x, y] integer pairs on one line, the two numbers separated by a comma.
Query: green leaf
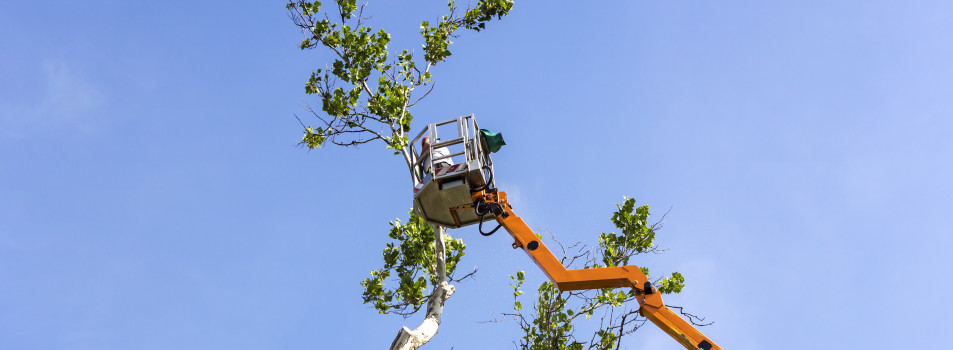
[[673, 284], [410, 258], [347, 7]]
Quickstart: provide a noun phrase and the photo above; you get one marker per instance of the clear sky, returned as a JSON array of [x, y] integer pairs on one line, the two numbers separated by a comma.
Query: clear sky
[[152, 197]]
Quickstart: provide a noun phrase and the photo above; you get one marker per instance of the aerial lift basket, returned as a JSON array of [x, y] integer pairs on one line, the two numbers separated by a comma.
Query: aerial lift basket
[[447, 171]]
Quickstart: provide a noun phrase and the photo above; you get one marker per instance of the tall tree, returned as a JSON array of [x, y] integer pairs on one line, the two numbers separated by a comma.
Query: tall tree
[[364, 89], [367, 95]]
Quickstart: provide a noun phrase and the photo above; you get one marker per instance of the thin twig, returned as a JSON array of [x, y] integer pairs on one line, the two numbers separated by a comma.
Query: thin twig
[[695, 320]]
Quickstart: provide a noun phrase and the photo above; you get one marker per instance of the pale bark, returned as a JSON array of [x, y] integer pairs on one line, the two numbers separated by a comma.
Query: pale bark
[[408, 339]]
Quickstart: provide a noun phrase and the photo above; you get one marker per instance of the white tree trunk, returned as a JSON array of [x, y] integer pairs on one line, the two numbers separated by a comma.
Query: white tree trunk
[[408, 339]]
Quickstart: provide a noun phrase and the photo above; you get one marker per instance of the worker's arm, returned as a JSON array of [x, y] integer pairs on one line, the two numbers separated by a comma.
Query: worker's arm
[[650, 300]]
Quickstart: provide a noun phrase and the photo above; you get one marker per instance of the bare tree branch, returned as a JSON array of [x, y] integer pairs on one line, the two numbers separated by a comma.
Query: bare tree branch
[[469, 275], [695, 320]]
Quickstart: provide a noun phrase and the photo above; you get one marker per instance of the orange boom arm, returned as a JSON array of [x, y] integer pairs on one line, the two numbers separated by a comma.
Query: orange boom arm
[[650, 300]]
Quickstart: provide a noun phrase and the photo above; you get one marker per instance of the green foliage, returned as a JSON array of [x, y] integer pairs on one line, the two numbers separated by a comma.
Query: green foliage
[[484, 11], [673, 284], [550, 324], [551, 328], [411, 260], [437, 39], [365, 94], [637, 235], [313, 137], [347, 8], [517, 283]]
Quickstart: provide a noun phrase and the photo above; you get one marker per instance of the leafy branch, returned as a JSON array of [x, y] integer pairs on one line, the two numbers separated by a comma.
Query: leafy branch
[[366, 93], [409, 267], [551, 324]]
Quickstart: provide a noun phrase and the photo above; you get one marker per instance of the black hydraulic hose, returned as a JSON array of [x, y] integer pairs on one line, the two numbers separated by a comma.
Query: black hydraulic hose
[[481, 209], [481, 204], [487, 233]]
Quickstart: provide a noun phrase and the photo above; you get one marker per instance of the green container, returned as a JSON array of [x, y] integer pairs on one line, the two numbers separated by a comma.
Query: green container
[[493, 140]]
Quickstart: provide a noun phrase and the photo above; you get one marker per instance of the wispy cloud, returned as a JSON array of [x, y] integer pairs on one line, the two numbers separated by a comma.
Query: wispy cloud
[[66, 99], [69, 94]]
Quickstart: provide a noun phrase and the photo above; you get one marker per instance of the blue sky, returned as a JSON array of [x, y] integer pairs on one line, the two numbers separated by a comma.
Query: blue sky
[[152, 197]]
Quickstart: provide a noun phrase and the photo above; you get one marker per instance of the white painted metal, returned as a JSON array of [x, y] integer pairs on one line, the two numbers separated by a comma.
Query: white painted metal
[[436, 188]]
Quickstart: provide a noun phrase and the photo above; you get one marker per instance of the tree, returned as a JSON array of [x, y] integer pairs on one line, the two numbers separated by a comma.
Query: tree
[[364, 91], [366, 96], [364, 88], [550, 326]]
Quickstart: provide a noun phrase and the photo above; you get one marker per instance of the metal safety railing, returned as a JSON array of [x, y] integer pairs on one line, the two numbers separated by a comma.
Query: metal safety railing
[[462, 131]]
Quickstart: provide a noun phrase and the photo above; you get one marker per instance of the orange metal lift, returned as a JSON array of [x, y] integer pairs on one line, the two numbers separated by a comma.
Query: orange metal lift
[[463, 193], [650, 300]]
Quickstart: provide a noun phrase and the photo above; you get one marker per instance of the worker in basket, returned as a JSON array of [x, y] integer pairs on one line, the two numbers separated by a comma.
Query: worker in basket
[[437, 153]]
